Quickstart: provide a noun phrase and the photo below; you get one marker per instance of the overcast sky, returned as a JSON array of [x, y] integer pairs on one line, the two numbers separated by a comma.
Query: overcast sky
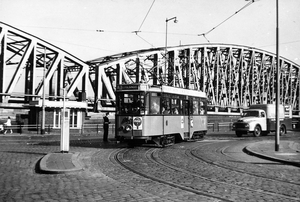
[[72, 24]]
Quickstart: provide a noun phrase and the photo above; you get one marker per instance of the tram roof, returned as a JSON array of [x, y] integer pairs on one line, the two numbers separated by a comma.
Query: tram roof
[[162, 89]]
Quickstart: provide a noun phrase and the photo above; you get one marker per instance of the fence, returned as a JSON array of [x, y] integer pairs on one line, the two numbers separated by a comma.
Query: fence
[[220, 126], [49, 129], [21, 128], [98, 128]]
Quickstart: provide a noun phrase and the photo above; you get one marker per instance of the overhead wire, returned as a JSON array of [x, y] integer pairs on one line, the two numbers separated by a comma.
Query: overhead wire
[[145, 41], [136, 32], [146, 15], [204, 34], [151, 32]]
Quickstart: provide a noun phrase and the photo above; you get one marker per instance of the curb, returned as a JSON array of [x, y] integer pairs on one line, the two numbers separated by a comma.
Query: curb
[[72, 158], [248, 150]]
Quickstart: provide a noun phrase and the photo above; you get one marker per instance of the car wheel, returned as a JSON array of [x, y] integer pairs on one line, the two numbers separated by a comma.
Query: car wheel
[[257, 131], [282, 130]]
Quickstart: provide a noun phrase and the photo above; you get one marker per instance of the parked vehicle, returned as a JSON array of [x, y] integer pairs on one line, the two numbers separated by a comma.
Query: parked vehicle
[[261, 120]]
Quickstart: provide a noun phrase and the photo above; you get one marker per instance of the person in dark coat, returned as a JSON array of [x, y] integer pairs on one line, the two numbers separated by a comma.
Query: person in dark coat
[[105, 127]]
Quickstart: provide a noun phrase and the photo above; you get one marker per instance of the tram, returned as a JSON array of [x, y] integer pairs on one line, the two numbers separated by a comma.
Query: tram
[[159, 114]]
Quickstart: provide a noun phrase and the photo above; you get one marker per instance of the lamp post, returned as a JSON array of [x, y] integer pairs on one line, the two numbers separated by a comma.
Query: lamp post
[[166, 44], [43, 101]]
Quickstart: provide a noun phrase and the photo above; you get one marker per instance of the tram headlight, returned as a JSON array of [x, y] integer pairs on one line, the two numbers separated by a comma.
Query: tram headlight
[[121, 128]]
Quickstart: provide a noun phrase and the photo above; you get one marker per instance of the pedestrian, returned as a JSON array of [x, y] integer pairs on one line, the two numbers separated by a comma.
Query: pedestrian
[[8, 126], [105, 126]]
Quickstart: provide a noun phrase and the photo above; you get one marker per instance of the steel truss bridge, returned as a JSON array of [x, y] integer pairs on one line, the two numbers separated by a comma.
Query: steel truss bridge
[[232, 76]]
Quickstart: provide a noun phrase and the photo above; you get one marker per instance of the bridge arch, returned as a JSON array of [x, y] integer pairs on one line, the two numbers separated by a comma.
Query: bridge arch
[[28, 63], [233, 76]]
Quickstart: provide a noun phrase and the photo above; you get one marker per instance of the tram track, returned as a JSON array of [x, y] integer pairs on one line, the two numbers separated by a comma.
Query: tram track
[[149, 164], [221, 150], [118, 156], [188, 152]]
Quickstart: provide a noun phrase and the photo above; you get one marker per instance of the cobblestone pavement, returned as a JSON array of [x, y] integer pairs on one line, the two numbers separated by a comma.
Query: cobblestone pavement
[[210, 170]]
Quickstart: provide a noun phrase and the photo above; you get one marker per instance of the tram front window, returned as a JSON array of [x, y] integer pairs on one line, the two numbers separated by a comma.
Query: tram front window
[[131, 103]]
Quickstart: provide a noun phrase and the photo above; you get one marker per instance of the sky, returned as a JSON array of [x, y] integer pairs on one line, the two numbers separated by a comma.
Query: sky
[[72, 24]]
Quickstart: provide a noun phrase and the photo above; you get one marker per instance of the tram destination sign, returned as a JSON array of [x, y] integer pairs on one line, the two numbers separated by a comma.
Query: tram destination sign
[[128, 87], [141, 87]]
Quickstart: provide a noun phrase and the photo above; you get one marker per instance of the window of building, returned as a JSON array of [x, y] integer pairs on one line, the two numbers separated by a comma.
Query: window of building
[[74, 118], [57, 115], [74, 115]]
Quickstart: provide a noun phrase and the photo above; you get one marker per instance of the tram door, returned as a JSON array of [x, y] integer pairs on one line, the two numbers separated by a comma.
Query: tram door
[[187, 118]]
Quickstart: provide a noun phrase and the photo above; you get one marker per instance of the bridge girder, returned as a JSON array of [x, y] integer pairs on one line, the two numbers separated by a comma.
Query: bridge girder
[[232, 76], [27, 63]]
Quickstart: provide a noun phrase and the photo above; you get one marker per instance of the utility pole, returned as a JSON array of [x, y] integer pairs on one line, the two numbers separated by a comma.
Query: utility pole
[[277, 82]]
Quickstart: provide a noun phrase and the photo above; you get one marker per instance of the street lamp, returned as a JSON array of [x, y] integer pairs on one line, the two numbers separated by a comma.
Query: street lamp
[[166, 44], [43, 101]]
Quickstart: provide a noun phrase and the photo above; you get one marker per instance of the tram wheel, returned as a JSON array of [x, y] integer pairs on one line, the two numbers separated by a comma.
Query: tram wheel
[[163, 141]]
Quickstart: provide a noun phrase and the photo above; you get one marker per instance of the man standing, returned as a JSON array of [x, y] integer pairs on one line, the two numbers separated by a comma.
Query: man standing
[[105, 126]]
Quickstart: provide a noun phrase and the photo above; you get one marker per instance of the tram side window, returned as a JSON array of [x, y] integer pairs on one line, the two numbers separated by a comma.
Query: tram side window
[[195, 107], [203, 107], [154, 103], [165, 105], [175, 106]]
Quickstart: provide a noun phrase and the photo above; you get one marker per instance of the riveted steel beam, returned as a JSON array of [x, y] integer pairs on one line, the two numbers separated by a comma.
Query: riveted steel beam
[[23, 58], [232, 76]]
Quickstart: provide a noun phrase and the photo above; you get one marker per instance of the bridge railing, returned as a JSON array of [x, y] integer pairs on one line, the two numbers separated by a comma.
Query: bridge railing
[[220, 126], [93, 128], [97, 129]]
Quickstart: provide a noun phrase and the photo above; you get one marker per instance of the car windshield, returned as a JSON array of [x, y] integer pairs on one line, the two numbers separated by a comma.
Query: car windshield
[[250, 113]]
